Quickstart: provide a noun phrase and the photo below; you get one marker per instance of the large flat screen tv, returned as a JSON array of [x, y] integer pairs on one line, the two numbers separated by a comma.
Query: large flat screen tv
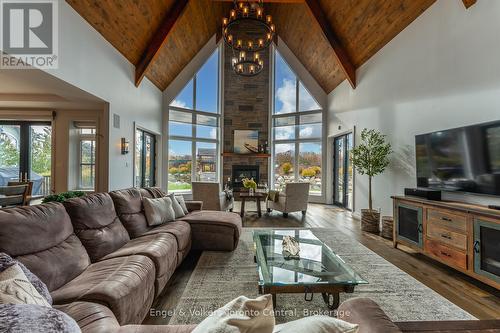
[[465, 159]]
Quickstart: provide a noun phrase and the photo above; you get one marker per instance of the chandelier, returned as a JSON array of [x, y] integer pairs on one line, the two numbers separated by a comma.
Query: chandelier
[[248, 31]]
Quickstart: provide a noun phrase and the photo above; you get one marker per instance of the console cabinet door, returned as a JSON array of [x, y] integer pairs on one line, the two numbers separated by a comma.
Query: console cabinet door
[[487, 249], [409, 225]]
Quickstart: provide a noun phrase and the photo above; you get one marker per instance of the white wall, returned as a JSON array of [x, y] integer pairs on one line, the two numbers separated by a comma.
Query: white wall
[[442, 71], [89, 62]]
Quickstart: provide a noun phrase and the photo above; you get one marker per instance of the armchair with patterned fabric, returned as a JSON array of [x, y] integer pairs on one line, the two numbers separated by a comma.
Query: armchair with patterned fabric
[[293, 199], [212, 196]]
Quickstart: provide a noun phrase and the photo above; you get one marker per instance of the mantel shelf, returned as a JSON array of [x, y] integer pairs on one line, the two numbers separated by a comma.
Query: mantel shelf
[[256, 155]]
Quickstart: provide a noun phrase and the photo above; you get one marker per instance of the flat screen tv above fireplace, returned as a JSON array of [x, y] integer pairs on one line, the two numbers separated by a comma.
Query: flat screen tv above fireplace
[[465, 159]]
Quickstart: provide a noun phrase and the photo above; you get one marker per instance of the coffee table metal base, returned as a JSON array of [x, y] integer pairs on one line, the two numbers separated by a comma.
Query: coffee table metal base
[[330, 294]]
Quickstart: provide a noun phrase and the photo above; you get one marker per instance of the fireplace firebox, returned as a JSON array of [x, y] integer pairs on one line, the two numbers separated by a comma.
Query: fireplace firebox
[[243, 171]]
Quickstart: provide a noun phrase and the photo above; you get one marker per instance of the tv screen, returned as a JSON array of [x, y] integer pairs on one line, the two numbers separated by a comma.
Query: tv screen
[[465, 159]]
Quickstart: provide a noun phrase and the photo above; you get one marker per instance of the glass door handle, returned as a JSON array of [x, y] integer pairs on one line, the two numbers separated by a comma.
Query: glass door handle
[[476, 247]]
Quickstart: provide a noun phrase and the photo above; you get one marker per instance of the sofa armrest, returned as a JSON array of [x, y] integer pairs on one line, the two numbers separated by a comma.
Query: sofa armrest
[[194, 205], [368, 315]]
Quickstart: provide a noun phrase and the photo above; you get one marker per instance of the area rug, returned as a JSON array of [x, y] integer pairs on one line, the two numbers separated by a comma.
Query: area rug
[[219, 277]]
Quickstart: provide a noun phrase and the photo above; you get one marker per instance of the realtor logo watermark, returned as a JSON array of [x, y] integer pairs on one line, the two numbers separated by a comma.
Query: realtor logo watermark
[[29, 34]]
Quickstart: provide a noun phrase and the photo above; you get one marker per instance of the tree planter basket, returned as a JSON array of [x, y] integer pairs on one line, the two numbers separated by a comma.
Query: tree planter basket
[[370, 221]]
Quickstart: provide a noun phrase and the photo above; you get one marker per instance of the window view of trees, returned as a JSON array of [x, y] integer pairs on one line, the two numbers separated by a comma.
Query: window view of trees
[[38, 151], [297, 131], [193, 129]]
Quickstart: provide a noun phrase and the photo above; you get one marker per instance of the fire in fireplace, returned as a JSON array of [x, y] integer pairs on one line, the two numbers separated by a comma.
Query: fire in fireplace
[[244, 171]]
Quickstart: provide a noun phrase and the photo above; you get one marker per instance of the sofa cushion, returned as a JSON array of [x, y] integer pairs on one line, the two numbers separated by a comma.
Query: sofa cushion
[[7, 261], [157, 329], [158, 211], [124, 284], [180, 229], [317, 324], [96, 224], [91, 317], [214, 230], [242, 314], [182, 202], [129, 208], [368, 315], [15, 288], [179, 212], [160, 248], [152, 192], [24, 318], [42, 238]]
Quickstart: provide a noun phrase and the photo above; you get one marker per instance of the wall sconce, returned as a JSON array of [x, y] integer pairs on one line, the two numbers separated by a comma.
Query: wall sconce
[[125, 146]]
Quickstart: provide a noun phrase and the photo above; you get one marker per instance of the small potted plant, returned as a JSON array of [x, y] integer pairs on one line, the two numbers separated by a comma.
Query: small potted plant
[[250, 185], [371, 157]]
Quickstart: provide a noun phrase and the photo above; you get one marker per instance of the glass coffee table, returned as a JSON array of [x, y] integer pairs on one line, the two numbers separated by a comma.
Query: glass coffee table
[[318, 270]]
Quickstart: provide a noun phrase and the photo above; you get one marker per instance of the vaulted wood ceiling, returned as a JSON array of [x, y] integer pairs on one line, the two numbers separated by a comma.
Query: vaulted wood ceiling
[[361, 27]]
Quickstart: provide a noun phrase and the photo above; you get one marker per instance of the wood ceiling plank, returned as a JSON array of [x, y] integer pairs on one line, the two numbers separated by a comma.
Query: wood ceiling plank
[[127, 24], [338, 50], [267, 1], [469, 3], [158, 39], [200, 21]]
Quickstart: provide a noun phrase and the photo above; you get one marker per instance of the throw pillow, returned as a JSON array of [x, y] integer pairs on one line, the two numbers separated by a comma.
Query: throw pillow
[[15, 288], [317, 324], [176, 206], [241, 315], [22, 318], [158, 211], [6, 261], [180, 200]]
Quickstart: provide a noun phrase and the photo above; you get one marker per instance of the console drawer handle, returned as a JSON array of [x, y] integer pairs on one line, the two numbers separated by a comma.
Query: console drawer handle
[[445, 254], [446, 236], [447, 219]]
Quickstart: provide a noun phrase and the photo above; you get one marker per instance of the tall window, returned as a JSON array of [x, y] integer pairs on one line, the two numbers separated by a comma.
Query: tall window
[[145, 158], [87, 150], [193, 129], [297, 131]]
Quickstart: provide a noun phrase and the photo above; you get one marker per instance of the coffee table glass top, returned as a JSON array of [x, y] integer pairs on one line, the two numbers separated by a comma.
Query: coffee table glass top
[[317, 264]]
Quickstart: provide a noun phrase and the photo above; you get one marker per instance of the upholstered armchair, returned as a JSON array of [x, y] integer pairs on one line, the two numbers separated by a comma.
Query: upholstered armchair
[[293, 199], [212, 196]]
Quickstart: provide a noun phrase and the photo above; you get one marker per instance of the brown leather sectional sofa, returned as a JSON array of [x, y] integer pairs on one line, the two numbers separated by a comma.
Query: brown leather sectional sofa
[[101, 261]]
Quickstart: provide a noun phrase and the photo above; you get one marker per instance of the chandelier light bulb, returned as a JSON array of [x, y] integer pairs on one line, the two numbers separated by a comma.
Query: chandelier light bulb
[[248, 30]]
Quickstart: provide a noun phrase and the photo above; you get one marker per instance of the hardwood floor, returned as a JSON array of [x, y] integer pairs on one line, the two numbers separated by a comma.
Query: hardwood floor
[[475, 297]]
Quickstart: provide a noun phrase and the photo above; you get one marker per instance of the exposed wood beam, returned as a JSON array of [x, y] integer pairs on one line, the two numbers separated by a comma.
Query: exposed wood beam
[[158, 39], [469, 3], [339, 51], [268, 1]]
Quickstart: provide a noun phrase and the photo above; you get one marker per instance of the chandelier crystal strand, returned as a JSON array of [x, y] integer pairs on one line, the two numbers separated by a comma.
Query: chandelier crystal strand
[[246, 59]]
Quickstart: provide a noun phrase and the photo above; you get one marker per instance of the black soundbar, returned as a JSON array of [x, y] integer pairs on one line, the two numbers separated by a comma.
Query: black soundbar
[[424, 193]]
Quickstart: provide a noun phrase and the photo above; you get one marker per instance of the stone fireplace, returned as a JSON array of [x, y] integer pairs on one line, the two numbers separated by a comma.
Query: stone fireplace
[[244, 171], [246, 107]]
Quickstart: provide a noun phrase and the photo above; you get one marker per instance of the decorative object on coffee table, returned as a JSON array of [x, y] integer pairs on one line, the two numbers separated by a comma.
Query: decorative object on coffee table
[[250, 185], [387, 227], [322, 271], [290, 248], [246, 141], [371, 157]]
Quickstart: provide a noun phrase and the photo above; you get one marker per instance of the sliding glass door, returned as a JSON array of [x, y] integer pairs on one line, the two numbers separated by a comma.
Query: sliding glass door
[[145, 159], [26, 154], [343, 171]]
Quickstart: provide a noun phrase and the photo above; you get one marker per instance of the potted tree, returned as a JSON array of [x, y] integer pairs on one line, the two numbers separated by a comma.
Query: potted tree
[[371, 157]]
